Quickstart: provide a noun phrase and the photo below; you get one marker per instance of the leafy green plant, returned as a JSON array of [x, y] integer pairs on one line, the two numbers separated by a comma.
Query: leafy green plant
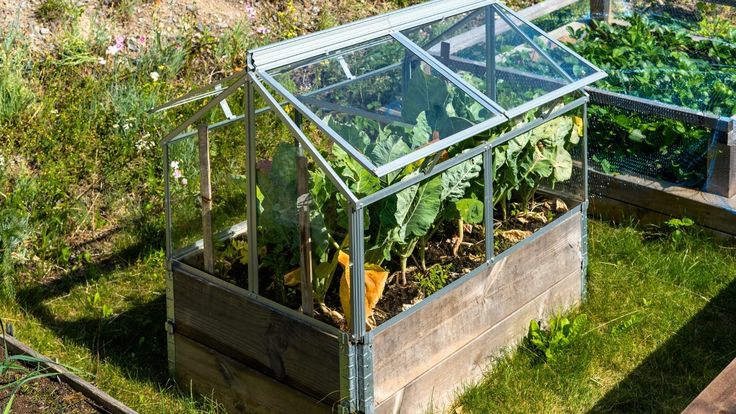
[[548, 342], [678, 227], [434, 279]]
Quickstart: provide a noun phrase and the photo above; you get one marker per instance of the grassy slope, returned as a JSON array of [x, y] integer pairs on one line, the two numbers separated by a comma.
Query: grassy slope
[[660, 329]]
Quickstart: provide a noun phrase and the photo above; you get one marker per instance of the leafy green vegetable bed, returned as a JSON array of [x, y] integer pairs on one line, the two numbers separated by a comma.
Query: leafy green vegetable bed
[[695, 69]]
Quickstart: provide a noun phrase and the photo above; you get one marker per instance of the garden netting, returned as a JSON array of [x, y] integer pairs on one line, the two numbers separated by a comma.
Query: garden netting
[[680, 53]]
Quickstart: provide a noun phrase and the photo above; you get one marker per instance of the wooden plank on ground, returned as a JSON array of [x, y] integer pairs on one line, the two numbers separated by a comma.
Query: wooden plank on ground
[[435, 390], [719, 396], [104, 400], [415, 344], [289, 350], [707, 210], [240, 388]]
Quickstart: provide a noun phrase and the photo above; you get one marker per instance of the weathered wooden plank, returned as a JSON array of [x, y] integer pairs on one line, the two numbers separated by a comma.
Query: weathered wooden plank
[[240, 388], [722, 177], [436, 389], [407, 349], [273, 342], [719, 396], [707, 210], [601, 10], [105, 401]]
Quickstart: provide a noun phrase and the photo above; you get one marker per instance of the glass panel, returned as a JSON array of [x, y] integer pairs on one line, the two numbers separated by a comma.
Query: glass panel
[[230, 201], [522, 73], [382, 99], [538, 177], [183, 173], [574, 67], [427, 235]]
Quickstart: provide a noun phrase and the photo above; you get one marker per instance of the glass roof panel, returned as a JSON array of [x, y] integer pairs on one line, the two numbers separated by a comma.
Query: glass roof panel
[[526, 65], [383, 101]]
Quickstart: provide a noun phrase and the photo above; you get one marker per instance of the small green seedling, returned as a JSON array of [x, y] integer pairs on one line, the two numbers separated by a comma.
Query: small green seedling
[[678, 226], [548, 343]]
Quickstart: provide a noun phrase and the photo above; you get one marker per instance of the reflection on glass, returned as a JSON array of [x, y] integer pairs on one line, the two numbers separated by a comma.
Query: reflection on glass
[[382, 99], [527, 64]]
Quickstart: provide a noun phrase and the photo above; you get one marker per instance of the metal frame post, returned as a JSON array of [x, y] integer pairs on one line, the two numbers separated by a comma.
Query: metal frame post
[[586, 201], [170, 314], [357, 275], [250, 151], [488, 174], [491, 52]]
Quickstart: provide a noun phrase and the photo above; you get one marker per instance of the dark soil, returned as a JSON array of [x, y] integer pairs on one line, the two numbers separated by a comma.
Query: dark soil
[[441, 266], [42, 396]]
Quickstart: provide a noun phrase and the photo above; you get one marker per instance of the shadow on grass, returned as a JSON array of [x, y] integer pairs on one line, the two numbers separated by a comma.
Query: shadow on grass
[[134, 340], [673, 375]]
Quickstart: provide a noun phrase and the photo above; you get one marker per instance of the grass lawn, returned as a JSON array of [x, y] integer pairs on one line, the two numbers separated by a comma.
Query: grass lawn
[[657, 332], [660, 325]]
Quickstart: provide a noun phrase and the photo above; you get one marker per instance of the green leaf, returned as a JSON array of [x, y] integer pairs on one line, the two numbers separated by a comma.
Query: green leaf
[[416, 209], [351, 133], [562, 164], [471, 210], [425, 93], [456, 180], [421, 133], [389, 148]]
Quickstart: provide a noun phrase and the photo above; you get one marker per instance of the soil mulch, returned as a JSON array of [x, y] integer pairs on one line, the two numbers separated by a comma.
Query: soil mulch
[[43, 396]]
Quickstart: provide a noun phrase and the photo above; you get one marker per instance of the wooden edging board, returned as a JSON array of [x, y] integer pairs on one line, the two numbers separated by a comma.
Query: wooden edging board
[[652, 201], [422, 360], [104, 400], [719, 396]]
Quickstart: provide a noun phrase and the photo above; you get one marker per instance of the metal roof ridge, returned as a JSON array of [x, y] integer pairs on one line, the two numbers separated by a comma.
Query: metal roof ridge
[[328, 40]]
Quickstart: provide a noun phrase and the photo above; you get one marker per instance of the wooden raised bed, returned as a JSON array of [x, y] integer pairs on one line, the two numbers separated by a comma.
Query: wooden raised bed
[[104, 403], [257, 356]]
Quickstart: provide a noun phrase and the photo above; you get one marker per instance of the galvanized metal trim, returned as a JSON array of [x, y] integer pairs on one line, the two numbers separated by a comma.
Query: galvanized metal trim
[[197, 94], [556, 94], [348, 375], [203, 111], [167, 204], [357, 275], [429, 300], [252, 190], [541, 232], [306, 143], [330, 40], [488, 174], [445, 165], [268, 303], [448, 73], [491, 53], [322, 125], [584, 253], [365, 360], [442, 144]]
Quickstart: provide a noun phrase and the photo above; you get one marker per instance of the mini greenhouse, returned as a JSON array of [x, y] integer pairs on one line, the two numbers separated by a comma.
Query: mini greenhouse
[[363, 215]]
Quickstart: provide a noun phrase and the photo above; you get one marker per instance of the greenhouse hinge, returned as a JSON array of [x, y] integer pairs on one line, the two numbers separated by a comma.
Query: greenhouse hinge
[[224, 105]]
